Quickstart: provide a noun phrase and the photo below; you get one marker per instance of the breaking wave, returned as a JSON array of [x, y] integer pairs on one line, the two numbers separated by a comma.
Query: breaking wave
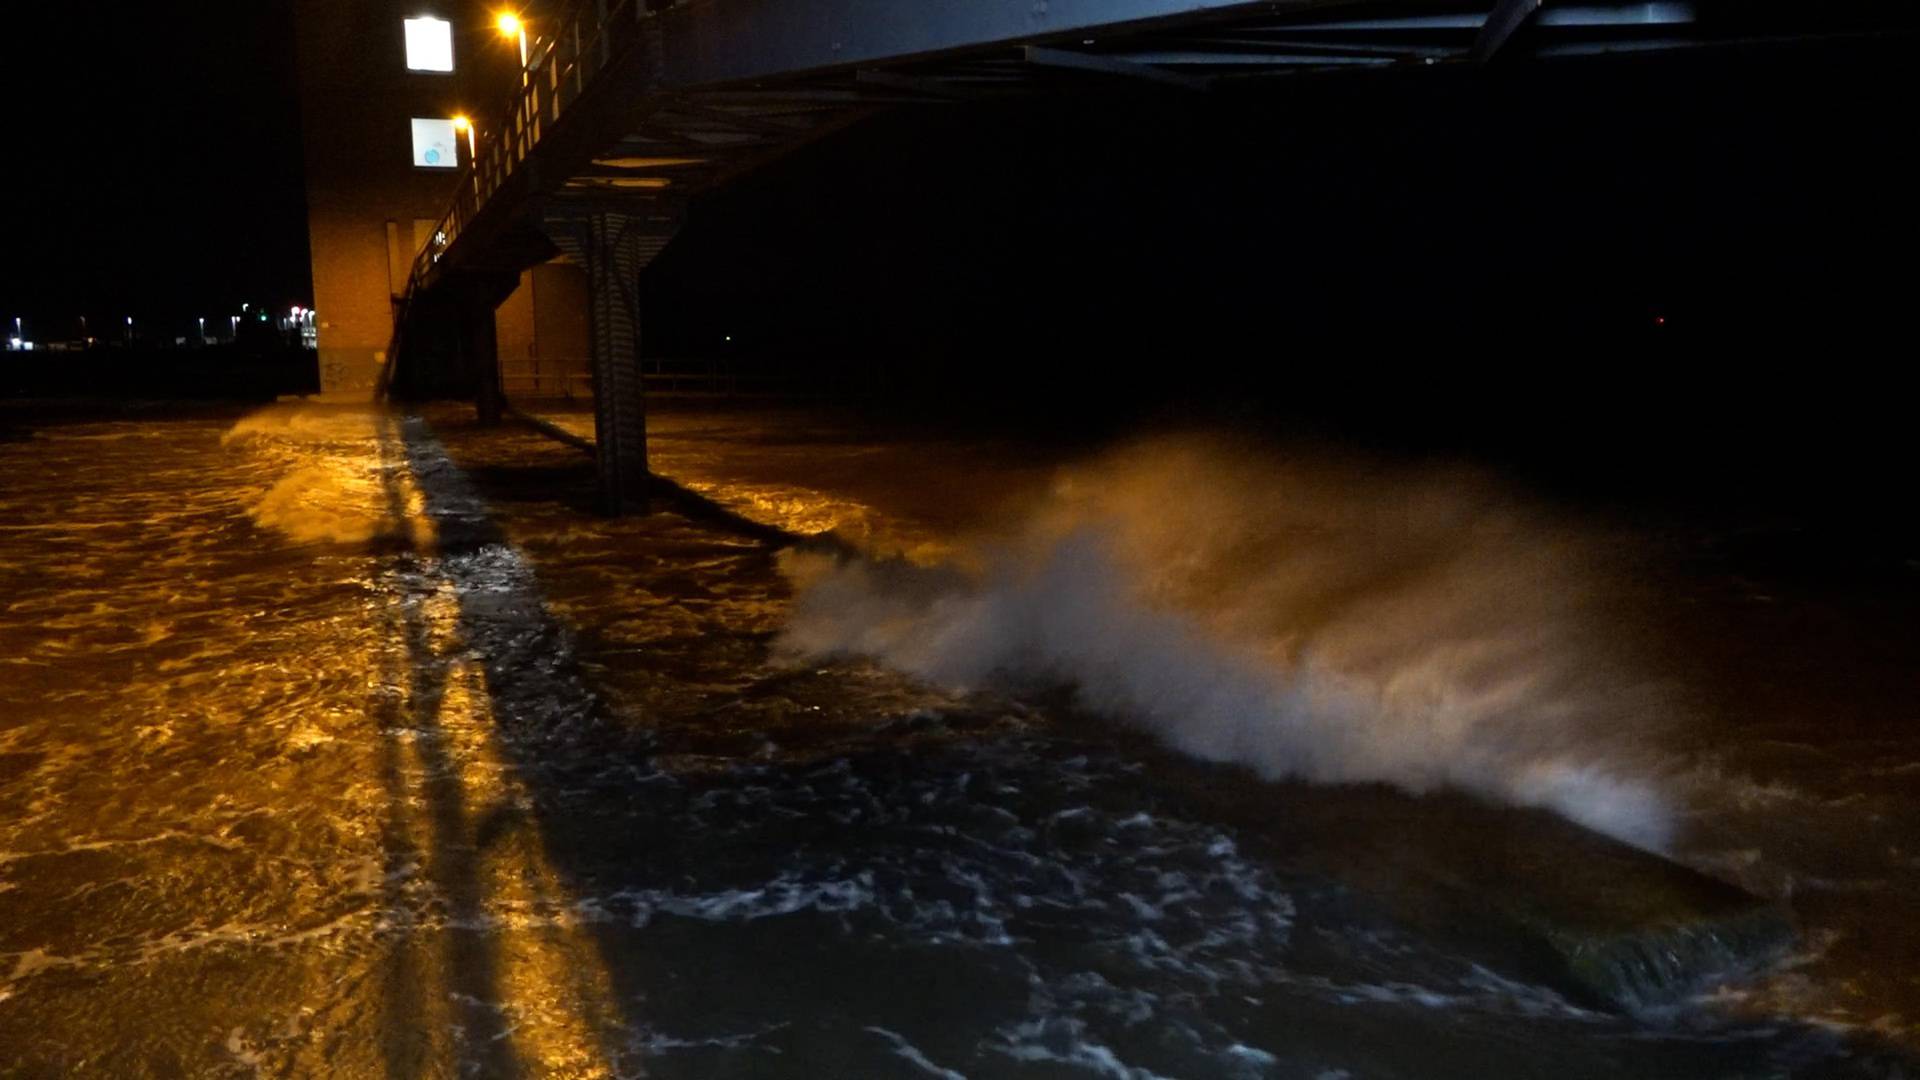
[[1336, 623], [329, 490]]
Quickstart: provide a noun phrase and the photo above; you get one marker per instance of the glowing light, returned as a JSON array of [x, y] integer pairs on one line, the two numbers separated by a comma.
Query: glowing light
[[429, 44], [433, 144], [461, 123], [511, 26]]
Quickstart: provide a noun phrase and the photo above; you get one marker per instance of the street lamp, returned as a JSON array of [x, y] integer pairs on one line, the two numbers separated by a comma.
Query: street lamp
[[461, 123], [510, 26]]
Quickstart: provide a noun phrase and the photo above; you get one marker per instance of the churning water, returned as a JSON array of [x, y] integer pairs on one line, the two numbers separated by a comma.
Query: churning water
[[336, 743], [1336, 627]]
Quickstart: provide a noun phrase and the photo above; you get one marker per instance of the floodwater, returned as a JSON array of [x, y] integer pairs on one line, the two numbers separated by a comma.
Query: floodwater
[[339, 742]]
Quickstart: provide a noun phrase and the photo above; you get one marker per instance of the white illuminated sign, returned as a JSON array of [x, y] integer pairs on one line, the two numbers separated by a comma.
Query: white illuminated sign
[[429, 44], [433, 144]]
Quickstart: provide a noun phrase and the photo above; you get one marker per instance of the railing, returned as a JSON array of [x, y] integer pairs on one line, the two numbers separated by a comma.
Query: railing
[[567, 386], [678, 378], [560, 66]]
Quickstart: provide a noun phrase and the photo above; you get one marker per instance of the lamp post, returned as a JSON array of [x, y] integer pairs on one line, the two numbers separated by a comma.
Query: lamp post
[[461, 123], [511, 26]]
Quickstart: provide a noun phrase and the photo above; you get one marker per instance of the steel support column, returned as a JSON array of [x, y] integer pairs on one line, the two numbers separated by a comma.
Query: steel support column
[[613, 246]]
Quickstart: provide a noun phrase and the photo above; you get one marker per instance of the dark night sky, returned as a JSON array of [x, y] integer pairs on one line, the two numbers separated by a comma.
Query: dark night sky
[[159, 174], [153, 160]]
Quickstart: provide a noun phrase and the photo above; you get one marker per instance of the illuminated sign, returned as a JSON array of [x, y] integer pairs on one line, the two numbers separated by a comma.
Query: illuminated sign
[[433, 144], [429, 44]]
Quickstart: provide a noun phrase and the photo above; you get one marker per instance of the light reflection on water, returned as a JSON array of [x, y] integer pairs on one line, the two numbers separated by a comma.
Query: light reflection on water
[[302, 771], [269, 744]]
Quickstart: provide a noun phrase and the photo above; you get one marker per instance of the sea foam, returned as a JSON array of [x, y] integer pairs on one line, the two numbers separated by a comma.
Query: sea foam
[[1334, 623]]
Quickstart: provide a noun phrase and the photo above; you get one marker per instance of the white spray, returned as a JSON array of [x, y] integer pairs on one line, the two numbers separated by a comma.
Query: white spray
[[1334, 623]]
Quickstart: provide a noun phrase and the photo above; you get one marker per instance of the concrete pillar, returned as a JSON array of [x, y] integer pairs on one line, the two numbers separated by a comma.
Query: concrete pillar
[[475, 297], [613, 246], [424, 354], [483, 359]]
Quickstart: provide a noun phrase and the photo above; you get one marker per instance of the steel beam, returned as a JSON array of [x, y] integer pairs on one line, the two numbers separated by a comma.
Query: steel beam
[[613, 246], [747, 40], [1655, 13], [1069, 60], [932, 88], [1506, 19]]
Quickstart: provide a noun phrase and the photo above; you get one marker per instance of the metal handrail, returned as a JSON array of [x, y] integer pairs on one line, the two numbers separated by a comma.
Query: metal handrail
[[560, 67]]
